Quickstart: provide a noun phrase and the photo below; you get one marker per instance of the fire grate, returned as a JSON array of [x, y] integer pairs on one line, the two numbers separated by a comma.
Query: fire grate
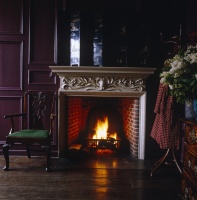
[[109, 143]]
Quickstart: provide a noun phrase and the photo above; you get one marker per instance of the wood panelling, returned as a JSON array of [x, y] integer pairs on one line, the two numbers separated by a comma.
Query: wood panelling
[[41, 77], [11, 9], [11, 66], [28, 40], [43, 32]]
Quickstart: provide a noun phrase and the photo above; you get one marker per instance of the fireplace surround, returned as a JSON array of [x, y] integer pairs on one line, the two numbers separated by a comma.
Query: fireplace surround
[[127, 83]]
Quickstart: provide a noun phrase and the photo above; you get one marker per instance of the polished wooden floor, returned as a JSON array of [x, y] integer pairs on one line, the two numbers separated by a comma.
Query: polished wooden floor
[[102, 177]]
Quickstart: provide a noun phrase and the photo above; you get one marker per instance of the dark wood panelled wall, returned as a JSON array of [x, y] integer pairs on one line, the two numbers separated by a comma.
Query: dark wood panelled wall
[[34, 34], [28, 45]]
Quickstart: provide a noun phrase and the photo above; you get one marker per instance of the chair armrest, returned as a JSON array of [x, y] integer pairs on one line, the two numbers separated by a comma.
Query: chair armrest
[[14, 115], [11, 117]]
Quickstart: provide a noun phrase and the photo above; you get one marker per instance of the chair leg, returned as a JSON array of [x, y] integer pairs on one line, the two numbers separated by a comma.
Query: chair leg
[[48, 151], [28, 151], [6, 156]]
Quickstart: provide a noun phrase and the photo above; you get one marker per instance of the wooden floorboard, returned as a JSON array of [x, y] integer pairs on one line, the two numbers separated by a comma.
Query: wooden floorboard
[[102, 178]]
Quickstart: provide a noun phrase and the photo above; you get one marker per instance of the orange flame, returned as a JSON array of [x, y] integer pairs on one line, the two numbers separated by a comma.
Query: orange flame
[[101, 129]]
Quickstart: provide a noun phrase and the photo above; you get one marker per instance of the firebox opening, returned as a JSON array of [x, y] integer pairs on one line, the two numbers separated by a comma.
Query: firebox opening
[[105, 129], [107, 124]]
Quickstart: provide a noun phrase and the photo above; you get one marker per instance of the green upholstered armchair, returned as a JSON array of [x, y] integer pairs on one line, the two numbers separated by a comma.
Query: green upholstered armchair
[[37, 125]]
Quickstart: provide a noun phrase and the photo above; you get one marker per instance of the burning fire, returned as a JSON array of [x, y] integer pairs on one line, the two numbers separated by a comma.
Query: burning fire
[[102, 138], [101, 130]]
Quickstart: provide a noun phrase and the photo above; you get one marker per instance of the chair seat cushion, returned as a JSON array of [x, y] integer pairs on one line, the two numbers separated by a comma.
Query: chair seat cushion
[[30, 134]]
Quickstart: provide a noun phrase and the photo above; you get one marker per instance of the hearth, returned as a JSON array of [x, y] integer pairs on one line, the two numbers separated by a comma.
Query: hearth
[[80, 87]]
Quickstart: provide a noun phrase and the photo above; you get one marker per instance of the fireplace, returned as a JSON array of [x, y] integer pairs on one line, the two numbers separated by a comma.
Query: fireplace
[[123, 87]]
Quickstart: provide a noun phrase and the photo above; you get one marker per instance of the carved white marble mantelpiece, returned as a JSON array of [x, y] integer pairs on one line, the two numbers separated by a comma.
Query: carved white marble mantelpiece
[[109, 80], [102, 82]]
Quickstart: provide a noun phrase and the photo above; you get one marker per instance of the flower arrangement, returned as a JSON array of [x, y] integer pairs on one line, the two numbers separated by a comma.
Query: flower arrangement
[[180, 74]]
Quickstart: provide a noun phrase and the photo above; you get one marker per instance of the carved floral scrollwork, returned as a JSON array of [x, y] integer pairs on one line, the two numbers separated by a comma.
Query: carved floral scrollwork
[[102, 83]]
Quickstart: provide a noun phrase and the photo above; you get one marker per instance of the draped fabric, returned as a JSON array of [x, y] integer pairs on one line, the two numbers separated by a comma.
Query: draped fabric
[[165, 128]]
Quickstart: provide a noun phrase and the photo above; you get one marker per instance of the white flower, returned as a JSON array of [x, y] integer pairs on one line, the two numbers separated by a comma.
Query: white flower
[[173, 69], [162, 80], [176, 75], [175, 64], [171, 87], [164, 74], [191, 58]]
